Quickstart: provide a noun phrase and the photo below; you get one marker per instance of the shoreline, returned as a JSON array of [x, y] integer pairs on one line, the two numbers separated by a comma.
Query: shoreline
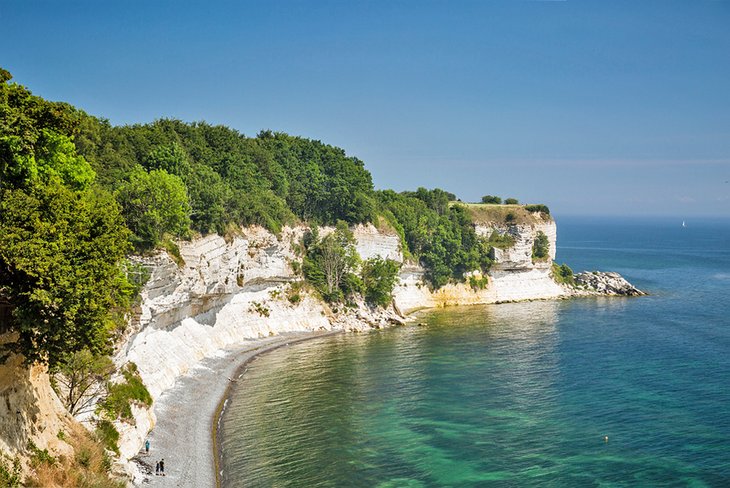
[[185, 435], [217, 416], [201, 390]]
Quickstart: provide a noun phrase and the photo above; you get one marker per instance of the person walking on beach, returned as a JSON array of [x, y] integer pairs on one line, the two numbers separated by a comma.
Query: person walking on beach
[[157, 469], [147, 446], [162, 467]]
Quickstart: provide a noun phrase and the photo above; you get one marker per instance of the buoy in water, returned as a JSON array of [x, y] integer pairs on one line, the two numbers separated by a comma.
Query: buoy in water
[[605, 438]]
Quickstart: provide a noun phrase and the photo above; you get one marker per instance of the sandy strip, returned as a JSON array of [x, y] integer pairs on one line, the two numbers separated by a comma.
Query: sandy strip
[[188, 412]]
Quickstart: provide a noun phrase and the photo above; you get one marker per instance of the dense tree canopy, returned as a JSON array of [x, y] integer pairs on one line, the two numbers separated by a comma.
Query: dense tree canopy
[[62, 240], [440, 235], [154, 204], [60, 251]]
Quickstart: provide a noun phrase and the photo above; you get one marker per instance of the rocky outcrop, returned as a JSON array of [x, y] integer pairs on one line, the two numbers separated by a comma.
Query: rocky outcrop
[[601, 283]]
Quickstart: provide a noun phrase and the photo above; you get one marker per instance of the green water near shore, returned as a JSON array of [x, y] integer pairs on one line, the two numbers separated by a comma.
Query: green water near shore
[[509, 395]]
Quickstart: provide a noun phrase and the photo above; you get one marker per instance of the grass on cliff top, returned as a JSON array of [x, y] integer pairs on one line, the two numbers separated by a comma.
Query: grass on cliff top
[[489, 213]]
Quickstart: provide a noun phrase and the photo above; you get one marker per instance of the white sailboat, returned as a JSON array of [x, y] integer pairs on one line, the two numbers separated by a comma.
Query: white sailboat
[[683, 224]]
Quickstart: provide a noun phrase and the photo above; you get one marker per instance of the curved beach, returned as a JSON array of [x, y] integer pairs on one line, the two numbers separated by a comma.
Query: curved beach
[[188, 413]]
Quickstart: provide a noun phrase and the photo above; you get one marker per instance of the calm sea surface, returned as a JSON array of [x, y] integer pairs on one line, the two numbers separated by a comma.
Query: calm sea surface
[[514, 394]]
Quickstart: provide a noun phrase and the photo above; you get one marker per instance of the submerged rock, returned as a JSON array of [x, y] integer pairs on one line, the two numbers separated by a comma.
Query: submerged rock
[[606, 284]]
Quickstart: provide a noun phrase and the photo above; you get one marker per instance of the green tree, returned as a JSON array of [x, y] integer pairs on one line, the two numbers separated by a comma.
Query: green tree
[[154, 204], [171, 158], [330, 262], [80, 379], [491, 199], [511, 201], [379, 276], [36, 139], [60, 251], [209, 196]]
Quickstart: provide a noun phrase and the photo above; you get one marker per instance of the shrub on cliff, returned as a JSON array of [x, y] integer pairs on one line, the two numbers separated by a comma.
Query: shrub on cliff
[[122, 395], [538, 208], [563, 274], [511, 201], [379, 277], [540, 247]]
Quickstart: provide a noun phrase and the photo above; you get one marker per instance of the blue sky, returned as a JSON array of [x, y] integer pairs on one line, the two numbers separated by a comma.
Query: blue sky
[[598, 108]]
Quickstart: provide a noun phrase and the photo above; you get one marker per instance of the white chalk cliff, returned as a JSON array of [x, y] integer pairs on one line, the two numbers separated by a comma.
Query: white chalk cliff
[[225, 292]]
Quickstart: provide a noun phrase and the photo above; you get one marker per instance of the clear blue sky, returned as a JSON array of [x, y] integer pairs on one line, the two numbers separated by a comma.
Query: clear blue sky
[[592, 107]]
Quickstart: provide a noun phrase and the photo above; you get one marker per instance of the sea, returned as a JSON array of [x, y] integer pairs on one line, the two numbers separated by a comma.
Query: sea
[[587, 392]]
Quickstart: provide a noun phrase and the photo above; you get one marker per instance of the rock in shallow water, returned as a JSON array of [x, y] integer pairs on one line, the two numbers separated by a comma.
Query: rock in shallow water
[[606, 283]]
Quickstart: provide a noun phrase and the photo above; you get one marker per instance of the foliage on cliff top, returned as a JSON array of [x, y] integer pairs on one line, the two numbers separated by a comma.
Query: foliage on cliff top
[[486, 214], [438, 233]]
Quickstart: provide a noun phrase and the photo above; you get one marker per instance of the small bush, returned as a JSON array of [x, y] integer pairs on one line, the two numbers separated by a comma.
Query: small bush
[[108, 435], [538, 208], [121, 395], [540, 247], [294, 292], [259, 308], [174, 251], [9, 473], [502, 241], [39, 457], [563, 274], [511, 201], [510, 217], [478, 282], [83, 457]]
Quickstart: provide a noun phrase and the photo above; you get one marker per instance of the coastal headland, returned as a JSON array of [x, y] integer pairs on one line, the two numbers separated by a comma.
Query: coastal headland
[[198, 323]]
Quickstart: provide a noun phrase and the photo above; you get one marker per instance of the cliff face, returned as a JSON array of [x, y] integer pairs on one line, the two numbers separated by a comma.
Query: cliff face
[[514, 274], [30, 411], [224, 293]]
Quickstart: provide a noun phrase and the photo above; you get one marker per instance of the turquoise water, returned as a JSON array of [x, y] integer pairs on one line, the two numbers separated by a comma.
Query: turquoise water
[[513, 394]]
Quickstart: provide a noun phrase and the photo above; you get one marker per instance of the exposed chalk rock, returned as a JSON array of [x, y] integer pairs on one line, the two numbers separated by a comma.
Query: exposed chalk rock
[[606, 284]]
